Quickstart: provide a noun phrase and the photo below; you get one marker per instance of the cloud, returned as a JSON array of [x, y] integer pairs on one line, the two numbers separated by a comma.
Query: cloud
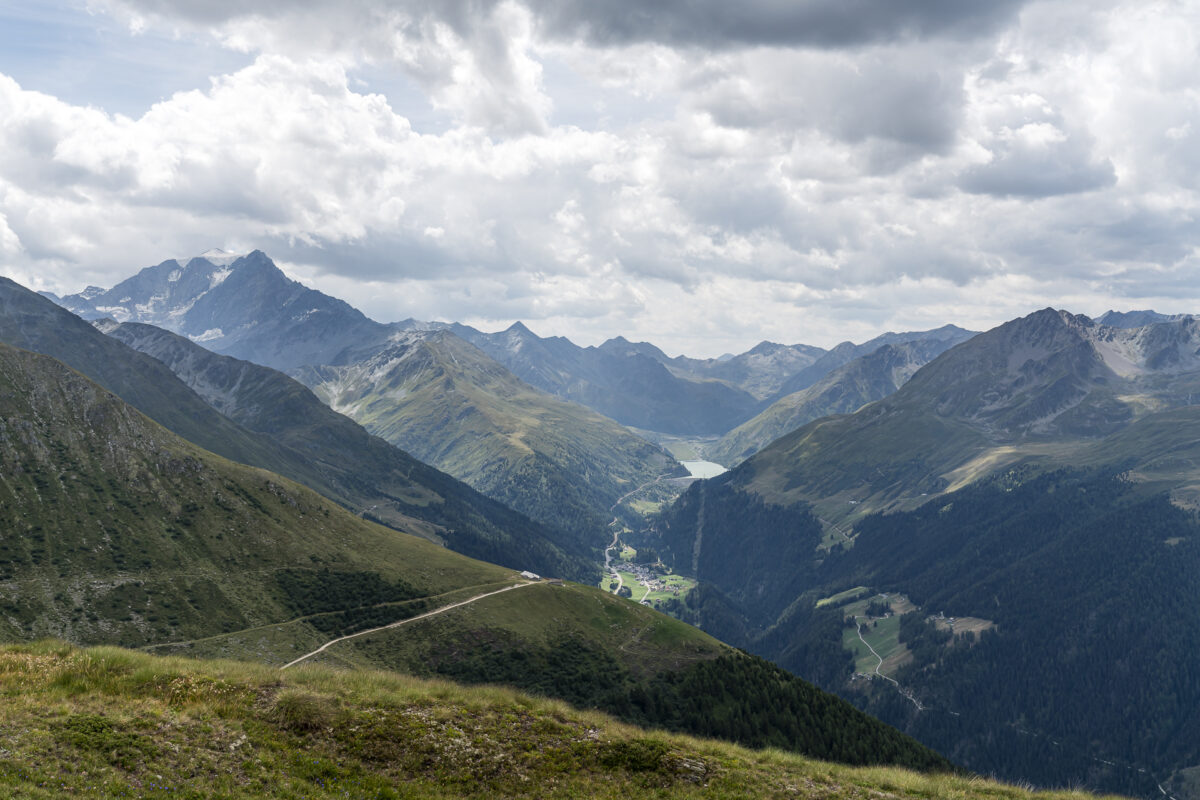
[[703, 23], [477, 58], [1039, 160], [471, 60], [806, 23], [784, 174]]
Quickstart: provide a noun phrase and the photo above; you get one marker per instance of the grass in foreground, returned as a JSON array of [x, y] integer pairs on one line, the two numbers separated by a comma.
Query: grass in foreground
[[106, 722]]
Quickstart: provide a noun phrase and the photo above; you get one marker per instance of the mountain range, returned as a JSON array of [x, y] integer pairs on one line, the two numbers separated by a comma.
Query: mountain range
[[115, 530], [257, 416], [1036, 480], [987, 540], [865, 378], [632, 383], [438, 397], [549, 459], [242, 306], [246, 307]]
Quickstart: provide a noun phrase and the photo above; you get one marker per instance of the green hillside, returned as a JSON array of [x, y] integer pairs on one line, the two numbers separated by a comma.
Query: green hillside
[[441, 399], [286, 431], [1035, 484], [360, 471], [117, 531], [32, 322], [110, 723]]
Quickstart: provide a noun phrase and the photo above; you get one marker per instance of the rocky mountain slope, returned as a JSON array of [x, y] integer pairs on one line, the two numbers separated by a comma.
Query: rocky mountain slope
[[632, 383], [843, 391], [242, 306]]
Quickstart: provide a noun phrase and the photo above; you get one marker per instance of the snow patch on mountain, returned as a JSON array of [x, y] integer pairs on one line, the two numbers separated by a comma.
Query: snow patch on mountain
[[119, 313], [218, 277], [220, 258]]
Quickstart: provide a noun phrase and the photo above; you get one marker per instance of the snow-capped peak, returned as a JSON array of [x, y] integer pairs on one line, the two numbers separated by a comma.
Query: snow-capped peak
[[219, 257]]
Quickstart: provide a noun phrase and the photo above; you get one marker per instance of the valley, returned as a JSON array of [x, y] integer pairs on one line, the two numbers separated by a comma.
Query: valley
[[213, 559], [516, 399], [909, 523]]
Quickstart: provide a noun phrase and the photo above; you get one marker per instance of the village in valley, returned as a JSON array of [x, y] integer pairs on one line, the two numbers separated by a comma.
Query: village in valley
[[641, 576]]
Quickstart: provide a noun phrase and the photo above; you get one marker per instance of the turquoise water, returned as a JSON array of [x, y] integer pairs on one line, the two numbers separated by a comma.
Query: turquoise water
[[703, 469]]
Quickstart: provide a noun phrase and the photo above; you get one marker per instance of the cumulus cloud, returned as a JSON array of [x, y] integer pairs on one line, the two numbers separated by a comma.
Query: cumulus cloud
[[1038, 159], [472, 60], [795, 171]]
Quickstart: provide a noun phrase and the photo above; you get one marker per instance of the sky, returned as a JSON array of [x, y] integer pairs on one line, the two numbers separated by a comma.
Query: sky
[[700, 174]]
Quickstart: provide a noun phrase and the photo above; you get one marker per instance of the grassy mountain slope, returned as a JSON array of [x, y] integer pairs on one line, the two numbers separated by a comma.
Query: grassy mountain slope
[[441, 399], [1041, 387], [361, 471], [113, 530], [104, 722]]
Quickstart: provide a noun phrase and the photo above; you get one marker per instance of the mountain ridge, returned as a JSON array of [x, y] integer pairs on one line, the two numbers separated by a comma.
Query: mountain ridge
[[844, 390], [435, 395], [1036, 482], [364, 471], [244, 307]]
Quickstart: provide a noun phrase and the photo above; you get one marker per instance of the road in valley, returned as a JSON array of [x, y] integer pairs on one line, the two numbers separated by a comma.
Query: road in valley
[[905, 692], [617, 533], [608, 565]]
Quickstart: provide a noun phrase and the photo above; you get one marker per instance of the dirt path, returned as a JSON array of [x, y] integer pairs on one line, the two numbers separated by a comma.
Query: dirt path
[[608, 558], [872, 649], [426, 615], [905, 692], [304, 618], [844, 535]]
